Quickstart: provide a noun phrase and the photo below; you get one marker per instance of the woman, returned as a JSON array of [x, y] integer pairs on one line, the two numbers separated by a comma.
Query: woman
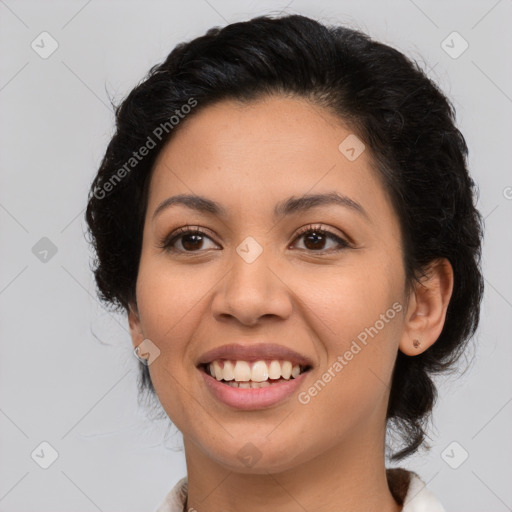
[[286, 216]]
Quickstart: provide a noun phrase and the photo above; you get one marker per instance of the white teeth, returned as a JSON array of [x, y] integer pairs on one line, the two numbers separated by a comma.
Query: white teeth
[[218, 370], [274, 370], [242, 371], [286, 370], [260, 372], [228, 370]]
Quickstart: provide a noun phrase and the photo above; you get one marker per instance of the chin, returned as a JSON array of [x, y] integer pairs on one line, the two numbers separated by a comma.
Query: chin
[[259, 457]]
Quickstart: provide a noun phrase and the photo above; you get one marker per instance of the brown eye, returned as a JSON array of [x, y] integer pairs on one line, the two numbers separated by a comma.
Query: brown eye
[[315, 239], [190, 240]]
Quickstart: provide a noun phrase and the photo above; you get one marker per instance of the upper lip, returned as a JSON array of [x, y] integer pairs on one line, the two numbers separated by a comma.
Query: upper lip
[[254, 352]]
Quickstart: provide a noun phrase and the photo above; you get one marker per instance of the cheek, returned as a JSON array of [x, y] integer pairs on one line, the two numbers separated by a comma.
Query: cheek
[[345, 301], [169, 303], [170, 306], [357, 315], [168, 296]]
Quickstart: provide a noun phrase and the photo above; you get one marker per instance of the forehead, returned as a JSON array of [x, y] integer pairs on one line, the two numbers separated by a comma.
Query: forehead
[[284, 125], [253, 153]]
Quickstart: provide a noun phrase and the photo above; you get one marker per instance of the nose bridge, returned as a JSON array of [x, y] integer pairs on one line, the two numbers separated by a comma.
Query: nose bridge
[[250, 276], [251, 289], [250, 262]]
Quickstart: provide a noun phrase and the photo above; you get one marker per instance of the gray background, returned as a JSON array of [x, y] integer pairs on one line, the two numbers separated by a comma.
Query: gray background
[[67, 372]]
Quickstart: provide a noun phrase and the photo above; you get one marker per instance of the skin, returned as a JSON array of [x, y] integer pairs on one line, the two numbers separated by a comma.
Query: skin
[[328, 454]]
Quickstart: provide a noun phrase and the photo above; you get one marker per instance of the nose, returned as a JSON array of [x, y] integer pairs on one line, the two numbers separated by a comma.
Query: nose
[[252, 290]]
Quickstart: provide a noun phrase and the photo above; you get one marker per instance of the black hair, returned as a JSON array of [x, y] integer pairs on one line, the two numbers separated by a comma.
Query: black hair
[[402, 117]]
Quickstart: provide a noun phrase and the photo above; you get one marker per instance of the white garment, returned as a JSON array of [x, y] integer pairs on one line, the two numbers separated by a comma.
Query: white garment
[[417, 499]]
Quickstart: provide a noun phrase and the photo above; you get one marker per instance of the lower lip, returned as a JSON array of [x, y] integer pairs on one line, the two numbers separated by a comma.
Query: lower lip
[[257, 398]]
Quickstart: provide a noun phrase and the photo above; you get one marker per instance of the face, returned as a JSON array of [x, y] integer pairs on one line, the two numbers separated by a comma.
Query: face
[[317, 283]]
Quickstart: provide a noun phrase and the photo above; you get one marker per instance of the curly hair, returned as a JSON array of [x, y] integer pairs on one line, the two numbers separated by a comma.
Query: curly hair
[[383, 96]]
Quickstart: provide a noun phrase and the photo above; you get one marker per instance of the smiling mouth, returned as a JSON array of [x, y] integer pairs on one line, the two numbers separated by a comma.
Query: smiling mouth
[[253, 374]]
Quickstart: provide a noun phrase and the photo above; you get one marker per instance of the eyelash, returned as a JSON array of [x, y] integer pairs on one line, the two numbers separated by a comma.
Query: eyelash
[[168, 241]]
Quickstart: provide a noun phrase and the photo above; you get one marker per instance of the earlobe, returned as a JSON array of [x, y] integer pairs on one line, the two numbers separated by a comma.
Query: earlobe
[[425, 319], [135, 327]]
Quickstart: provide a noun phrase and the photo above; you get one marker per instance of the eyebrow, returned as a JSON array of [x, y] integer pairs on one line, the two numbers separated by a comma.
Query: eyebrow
[[288, 207]]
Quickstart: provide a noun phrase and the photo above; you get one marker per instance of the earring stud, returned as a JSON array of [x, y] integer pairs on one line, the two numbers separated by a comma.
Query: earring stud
[[416, 343], [146, 352], [143, 358]]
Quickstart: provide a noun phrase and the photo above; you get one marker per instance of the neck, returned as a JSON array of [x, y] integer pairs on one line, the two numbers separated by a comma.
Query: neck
[[348, 477]]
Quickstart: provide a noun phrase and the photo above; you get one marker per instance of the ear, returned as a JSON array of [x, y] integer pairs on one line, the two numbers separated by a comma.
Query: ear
[[135, 327], [427, 308]]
